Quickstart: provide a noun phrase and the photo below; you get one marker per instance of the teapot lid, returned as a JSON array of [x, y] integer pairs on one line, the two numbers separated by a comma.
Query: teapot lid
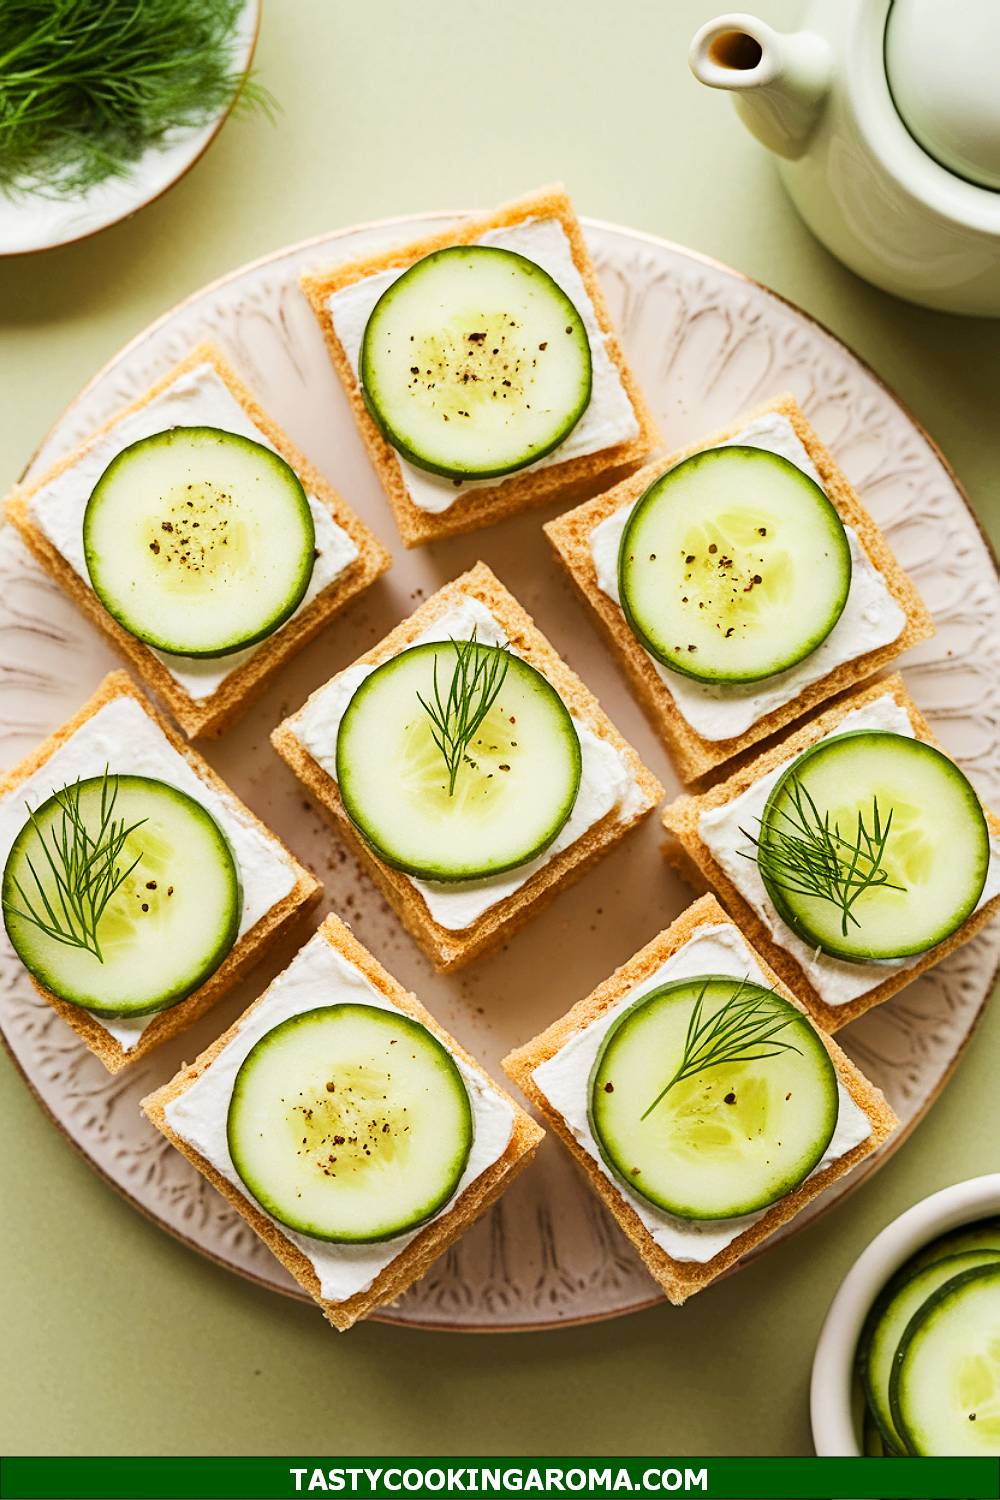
[[941, 60]]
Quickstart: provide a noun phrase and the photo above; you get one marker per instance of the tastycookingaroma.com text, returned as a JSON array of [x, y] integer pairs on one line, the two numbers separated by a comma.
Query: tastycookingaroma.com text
[[476, 1480]]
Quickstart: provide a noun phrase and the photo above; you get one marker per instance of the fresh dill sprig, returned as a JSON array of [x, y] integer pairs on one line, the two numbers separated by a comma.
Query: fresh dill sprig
[[744, 1029], [476, 681], [86, 86], [83, 867], [808, 857]]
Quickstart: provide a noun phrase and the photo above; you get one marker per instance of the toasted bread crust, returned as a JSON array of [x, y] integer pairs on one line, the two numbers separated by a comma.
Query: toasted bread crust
[[692, 858], [481, 507], [694, 756], [417, 1257], [681, 1279], [211, 715], [245, 952], [446, 948]]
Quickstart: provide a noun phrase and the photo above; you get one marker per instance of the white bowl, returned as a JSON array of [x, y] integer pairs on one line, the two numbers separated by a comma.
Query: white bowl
[[832, 1411]]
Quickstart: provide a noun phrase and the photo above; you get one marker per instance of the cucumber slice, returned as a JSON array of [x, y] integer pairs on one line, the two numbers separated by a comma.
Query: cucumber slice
[[198, 541], [937, 850], [350, 1123], [984, 1234], [945, 1388], [733, 566], [475, 363], [166, 928], [872, 1442], [515, 786], [886, 1323], [729, 1139]]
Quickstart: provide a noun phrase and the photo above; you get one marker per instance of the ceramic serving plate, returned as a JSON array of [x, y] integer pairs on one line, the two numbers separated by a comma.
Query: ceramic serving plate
[[705, 343], [37, 221]]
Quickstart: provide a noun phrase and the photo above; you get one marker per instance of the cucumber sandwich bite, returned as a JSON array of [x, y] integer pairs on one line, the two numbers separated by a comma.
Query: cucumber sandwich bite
[[468, 768], [741, 582], [482, 366], [199, 539], [135, 887], [353, 1134], [702, 1102], [856, 853]]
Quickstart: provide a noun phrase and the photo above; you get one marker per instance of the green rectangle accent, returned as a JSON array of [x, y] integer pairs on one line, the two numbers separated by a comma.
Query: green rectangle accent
[[416, 1478]]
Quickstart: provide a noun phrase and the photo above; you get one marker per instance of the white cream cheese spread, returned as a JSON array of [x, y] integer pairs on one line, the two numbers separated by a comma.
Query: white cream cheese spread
[[835, 981], [319, 975], [607, 782], [871, 616], [123, 738], [564, 1079], [199, 397], [609, 418]]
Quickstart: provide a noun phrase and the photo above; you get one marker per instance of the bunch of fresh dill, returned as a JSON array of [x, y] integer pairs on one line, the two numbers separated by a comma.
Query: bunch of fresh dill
[[86, 86]]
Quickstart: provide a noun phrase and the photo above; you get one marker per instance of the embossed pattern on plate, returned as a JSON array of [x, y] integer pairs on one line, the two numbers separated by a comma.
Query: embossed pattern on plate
[[705, 343]]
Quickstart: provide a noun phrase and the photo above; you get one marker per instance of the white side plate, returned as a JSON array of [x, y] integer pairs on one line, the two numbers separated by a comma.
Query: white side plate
[[32, 222]]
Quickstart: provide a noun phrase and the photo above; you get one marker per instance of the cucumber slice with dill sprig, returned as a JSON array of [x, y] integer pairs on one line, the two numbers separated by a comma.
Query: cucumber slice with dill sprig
[[121, 894], [872, 845], [712, 1097], [458, 760]]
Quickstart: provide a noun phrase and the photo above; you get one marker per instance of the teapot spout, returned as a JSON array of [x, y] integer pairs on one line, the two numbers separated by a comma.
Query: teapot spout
[[779, 80]]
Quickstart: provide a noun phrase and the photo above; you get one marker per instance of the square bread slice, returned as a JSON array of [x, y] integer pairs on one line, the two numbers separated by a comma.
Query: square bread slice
[[304, 890], [488, 502], [694, 755], [417, 1256], [680, 1279], [687, 852], [211, 712], [446, 947]]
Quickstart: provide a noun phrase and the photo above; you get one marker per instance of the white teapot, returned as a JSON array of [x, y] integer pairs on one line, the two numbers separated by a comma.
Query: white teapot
[[885, 115]]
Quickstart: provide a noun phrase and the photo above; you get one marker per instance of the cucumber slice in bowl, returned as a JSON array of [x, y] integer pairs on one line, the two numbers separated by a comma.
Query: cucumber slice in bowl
[[872, 1442], [873, 845], [887, 1321], [475, 363], [945, 1387], [712, 1097], [121, 894], [350, 1123], [457, 761], [733, 566], [983, 1234], [199, 542]]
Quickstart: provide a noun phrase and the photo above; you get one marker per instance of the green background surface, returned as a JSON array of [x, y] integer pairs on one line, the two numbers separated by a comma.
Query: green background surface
[[117, 1340]]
